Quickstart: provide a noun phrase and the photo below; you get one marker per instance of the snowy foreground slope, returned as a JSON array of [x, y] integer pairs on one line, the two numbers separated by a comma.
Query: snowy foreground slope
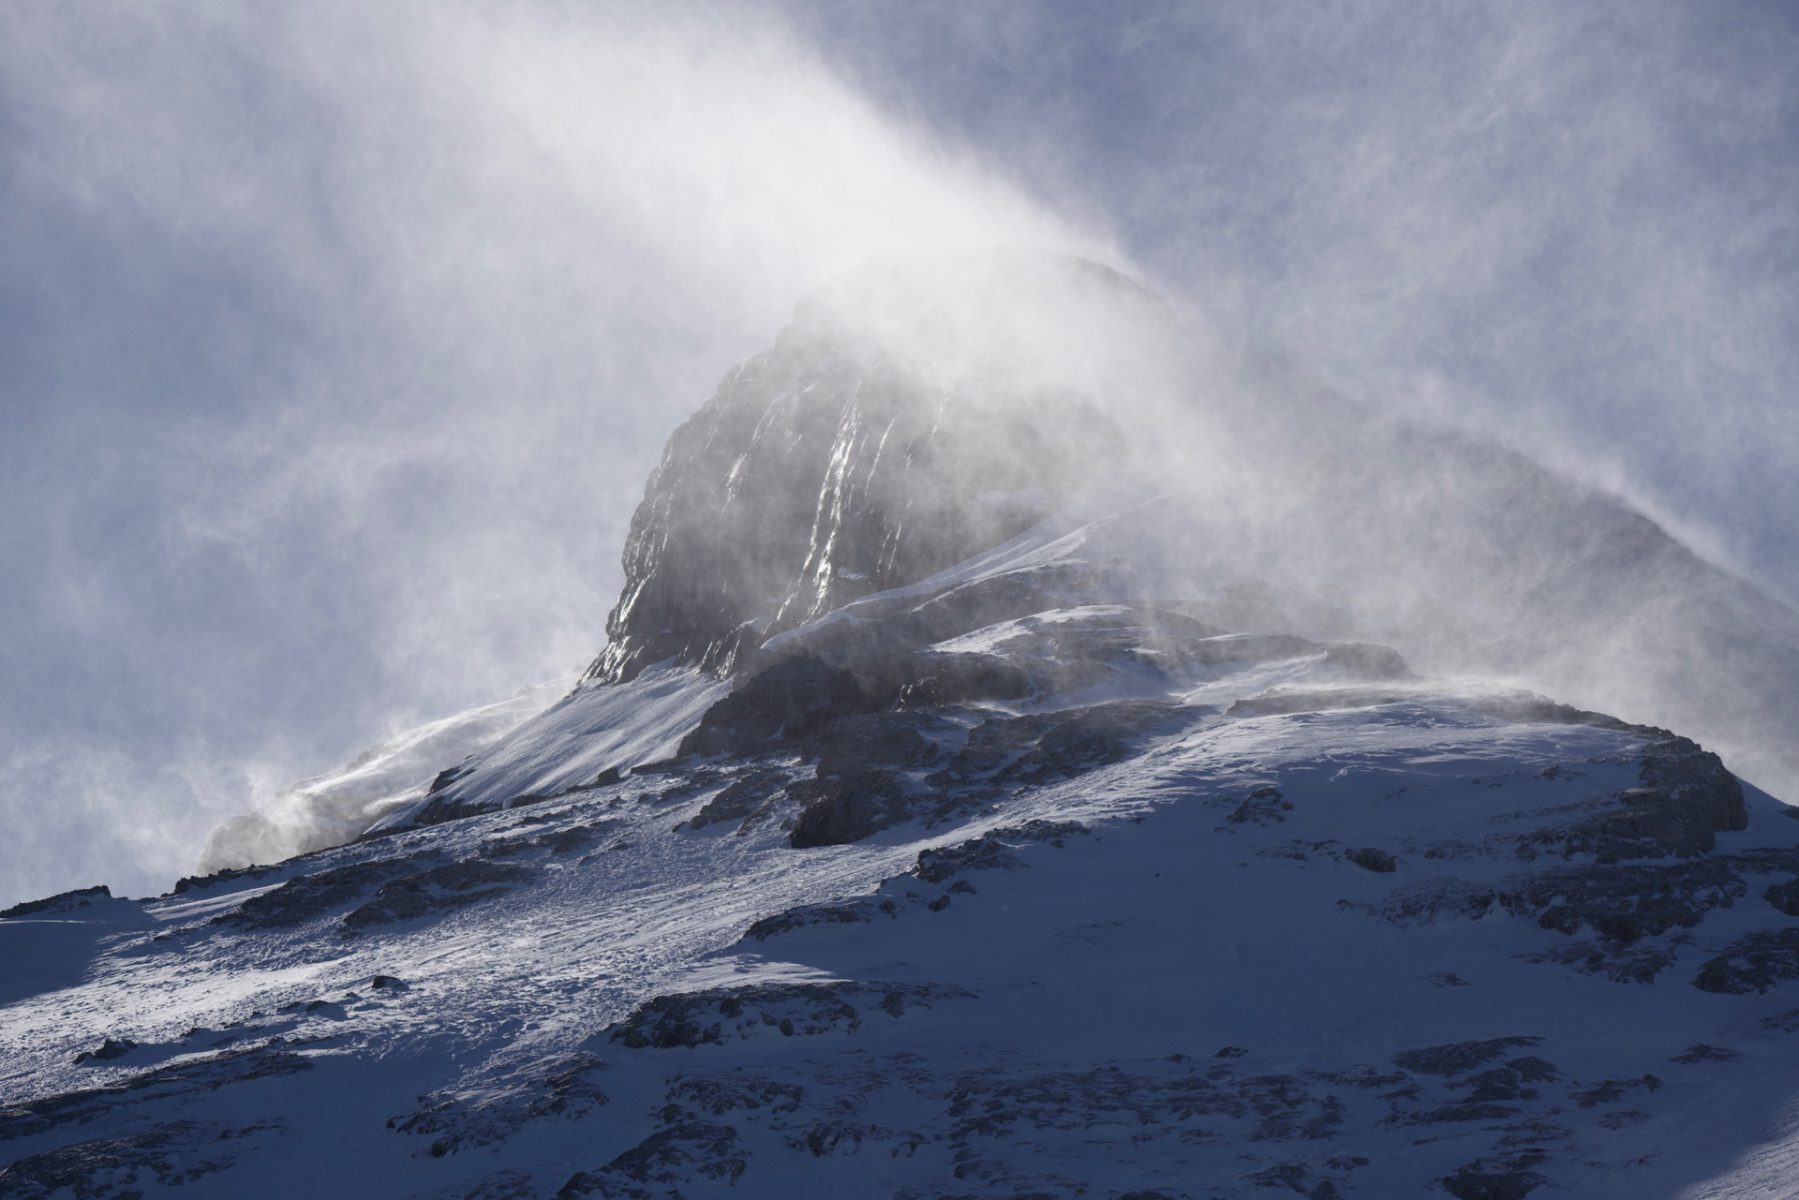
[[1219, 914], [919, 835]]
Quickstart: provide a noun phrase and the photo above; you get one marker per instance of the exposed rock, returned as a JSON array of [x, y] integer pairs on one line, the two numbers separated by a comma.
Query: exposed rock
[[854, 912], [1611, 1091], [1753, 963], [888, 739], [751, 794], [61, 902], [795, 697], [690, 1019], [1262, 806], [306, 897], [1429, 900], [1373, 859], [1703, 1052], [110, 1049], [1457, 1058], [452, 885], [826, 469], [562, 1087], [1620, 962], [1039, 749], [1784, 896], [1684, 799], [1626, 902], [1496, 1178], [168, 1156], [848, 807]]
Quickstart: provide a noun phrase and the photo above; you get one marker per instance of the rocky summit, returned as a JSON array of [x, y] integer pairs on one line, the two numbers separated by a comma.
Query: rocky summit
[[935, 823]]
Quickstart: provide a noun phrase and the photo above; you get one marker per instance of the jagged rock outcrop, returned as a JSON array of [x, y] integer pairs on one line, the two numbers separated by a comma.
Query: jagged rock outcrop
[[859, 453]]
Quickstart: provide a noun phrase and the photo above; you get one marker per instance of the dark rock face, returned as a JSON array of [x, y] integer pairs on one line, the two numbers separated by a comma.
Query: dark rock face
[[847, 807], [1753, 963], [791, 699], [1686, 797], [1374, 859], [691, 1019], [1784, 896], [310, 896], [110, 1049], [452, 885], [1496, 1179], [1458, 1057], [1627, 902], [828, 468], [61, 902]]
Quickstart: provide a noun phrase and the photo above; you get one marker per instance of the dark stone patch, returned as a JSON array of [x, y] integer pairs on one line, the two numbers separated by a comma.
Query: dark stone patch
[[156, 1086], [61, 902], [1782, 1022], [1497, 1084], [854, 912], [1457, 1058], [1048, 747], [1610, 1091], [1261, 807], [108, 1050], [561, 1087], [438, 890], [945, 679], [1704, 1052], [1684, 798], [1753, 963], [1373, 859], [675, 1154], [1532, 1069], [167, 1156], [1496, 1178], [792, 699], [889, 739], [690, 1019], [737, 1092], [751, 794], [1784, 896], [190, 883], [848, 807], [1625, 902], [1616, 961], [1431, 899], [306, 897]]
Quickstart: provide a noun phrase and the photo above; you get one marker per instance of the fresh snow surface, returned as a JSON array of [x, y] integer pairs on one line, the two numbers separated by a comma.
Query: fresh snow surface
[[593, 729], [332, 808], [398, 771], [1078, 1001]]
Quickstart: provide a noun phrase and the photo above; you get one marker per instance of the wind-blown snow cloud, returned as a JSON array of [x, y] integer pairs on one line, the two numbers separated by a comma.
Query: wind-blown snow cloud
[[345, 338], [1571, 224]]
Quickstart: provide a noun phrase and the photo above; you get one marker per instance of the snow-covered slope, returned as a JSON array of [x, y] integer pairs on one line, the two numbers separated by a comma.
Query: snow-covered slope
[[1321, 937], [921, 835], [334, 808]]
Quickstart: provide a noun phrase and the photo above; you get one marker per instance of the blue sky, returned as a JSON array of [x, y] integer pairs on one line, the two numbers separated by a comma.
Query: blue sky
[[337, 343]]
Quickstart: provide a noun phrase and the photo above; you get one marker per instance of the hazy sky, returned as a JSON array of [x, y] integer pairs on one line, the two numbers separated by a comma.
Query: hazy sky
[[337, 340]]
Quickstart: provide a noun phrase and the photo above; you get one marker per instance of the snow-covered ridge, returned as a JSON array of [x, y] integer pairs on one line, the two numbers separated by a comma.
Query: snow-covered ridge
[[1351, 941], [1080, 844], [333, 808]]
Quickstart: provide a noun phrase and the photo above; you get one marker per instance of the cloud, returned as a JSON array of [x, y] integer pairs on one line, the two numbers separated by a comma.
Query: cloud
[[348, 336]]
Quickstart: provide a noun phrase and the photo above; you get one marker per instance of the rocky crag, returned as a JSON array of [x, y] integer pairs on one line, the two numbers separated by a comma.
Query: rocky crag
[[920, 834]]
